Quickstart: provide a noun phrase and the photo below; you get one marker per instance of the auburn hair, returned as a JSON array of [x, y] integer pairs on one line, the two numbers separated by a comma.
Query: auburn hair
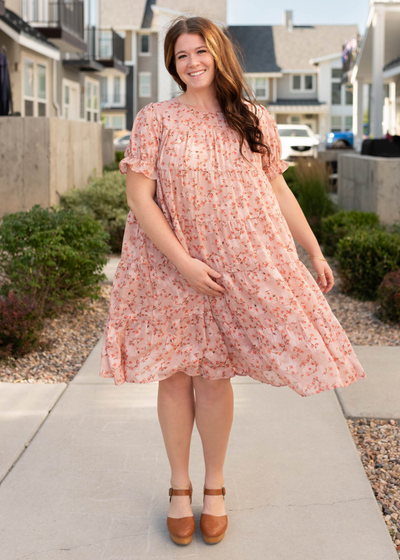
[[230, 85]]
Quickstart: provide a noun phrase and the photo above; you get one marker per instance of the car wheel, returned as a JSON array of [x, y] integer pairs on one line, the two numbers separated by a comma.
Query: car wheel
[[340, 144]]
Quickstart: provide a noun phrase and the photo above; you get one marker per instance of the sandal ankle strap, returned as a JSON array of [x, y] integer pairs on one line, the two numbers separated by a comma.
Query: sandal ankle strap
[[215, 491], [181, 492]]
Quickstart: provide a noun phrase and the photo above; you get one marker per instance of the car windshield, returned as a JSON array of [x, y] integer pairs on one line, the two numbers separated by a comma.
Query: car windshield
[[294, 132]]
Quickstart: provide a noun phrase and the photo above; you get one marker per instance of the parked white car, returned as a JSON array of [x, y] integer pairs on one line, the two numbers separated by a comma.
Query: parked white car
[[121, 142], [298, 140]]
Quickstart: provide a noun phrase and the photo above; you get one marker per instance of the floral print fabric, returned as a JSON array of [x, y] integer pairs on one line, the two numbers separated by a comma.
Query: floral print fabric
[[274, 323]]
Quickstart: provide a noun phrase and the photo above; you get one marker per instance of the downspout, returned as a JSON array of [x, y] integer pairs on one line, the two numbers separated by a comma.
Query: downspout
[[55, 102]]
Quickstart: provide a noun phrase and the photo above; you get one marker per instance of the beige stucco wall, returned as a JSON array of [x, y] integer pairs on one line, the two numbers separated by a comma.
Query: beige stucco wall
[[41, 158], [370, 184]]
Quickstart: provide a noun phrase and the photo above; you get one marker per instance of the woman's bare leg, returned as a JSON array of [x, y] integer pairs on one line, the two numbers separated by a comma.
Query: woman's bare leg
[[175, 406], [214, 416]]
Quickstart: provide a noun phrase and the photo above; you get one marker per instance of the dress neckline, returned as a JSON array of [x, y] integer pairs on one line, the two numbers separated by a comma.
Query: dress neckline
[[196, 110]]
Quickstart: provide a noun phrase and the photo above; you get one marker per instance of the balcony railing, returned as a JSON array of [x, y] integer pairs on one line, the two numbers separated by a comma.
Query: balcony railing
[[61, 14], [105, 45], [117, 99]]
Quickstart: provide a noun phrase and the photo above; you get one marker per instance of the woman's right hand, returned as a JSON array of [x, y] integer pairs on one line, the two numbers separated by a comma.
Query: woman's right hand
[[198, 273]]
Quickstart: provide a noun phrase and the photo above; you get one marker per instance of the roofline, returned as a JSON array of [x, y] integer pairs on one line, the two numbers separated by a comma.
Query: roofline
[[372, 10], [264, 74], [29, 42], [325, 58]]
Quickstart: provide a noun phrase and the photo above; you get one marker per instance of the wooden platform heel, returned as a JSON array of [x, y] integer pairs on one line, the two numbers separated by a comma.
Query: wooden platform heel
[[181, 529], [213, 527]]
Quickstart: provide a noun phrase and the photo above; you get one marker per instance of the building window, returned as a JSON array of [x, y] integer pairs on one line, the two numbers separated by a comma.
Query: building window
[[336, 124], [302, 82], [296, 82], [308, 82], [336, 73], [261, 89], [70, 100], [336, 93], [35, 89], [295, 119], [144, 44], [103, 90], [92, 100], [259, 86], [67, 101], [105, 44], [349, 94], [144, 84], [348, 123], [117, 122], [117, 89]]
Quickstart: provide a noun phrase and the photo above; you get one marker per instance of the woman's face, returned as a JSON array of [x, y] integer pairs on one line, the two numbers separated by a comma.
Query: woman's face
[[194, 63]]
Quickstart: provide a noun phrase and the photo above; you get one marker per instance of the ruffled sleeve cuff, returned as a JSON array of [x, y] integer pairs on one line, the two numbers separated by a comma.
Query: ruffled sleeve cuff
[[141, 154]]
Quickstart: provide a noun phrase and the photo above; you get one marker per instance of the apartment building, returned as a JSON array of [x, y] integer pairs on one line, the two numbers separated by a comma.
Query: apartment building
[[296, 70], [57, 54]]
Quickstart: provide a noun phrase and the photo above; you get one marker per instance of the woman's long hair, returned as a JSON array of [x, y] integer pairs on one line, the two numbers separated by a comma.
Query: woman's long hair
[[230, 85]]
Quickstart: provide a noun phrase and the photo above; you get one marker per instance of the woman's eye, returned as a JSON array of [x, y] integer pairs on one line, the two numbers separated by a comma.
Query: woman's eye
[[181, 56]]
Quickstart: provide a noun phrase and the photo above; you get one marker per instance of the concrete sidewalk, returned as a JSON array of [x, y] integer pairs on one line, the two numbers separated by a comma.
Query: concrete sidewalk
[[93, 483], [86, 475]]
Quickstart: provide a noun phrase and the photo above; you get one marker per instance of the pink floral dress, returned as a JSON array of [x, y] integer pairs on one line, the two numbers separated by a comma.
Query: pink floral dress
[[274, 323]]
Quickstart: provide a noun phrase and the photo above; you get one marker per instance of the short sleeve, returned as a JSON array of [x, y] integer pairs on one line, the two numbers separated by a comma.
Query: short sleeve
[[273, 164], [142, 150]]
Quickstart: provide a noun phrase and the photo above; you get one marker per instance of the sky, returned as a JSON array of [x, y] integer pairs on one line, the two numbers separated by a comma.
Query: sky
[[305, 12]]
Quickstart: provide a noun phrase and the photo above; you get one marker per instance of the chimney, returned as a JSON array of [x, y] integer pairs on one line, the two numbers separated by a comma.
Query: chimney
[[288, 19]]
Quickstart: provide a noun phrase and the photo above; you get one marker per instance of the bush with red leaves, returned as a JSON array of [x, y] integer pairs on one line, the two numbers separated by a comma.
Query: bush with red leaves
[[389, 296], [20, 325]]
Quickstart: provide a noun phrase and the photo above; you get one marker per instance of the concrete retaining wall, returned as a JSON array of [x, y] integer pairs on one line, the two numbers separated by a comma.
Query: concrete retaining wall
[[108, 145], [371, 184], [41, 158]]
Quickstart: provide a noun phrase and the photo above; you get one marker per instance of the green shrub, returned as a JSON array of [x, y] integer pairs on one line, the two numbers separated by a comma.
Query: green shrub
[[364, 258], [342, 223], [311, 189], [105, 200], [20, 325], [114, 166], [290, 178], [389, 296], [119, 156], [51, 255]]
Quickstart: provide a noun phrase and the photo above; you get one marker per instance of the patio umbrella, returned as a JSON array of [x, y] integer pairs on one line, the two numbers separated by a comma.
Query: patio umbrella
[[5, 88]]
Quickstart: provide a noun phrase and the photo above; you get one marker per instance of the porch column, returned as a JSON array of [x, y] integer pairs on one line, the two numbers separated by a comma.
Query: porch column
[[392, 101], [378, 51], [358, 113]]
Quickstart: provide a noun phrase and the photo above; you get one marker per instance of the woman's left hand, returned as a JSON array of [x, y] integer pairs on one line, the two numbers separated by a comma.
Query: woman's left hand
[[325, 278]]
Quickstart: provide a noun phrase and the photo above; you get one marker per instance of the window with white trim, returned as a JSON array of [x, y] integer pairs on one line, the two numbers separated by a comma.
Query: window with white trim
[[70, 99], [35, 88], [117, 122], [259, 86], [302, 82], [336, 86], [144, 84], [348, 123], [144, 44], [92, 100], [336, 123], [349, 94], [117, 90]]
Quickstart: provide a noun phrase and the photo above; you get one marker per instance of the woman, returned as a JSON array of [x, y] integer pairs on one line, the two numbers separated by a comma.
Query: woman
[[210, 284]]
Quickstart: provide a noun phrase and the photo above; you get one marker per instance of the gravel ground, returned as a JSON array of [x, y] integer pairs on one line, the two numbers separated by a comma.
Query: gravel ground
[[358, 318], [72, 336], [378, 443], [69, 339]]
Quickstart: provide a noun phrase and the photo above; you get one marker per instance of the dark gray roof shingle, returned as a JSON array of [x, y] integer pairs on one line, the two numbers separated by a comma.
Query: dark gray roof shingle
[[274, 48]]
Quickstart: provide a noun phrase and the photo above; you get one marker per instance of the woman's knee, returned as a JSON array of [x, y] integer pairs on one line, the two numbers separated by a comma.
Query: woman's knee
[[178, 381], [211, 389]]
